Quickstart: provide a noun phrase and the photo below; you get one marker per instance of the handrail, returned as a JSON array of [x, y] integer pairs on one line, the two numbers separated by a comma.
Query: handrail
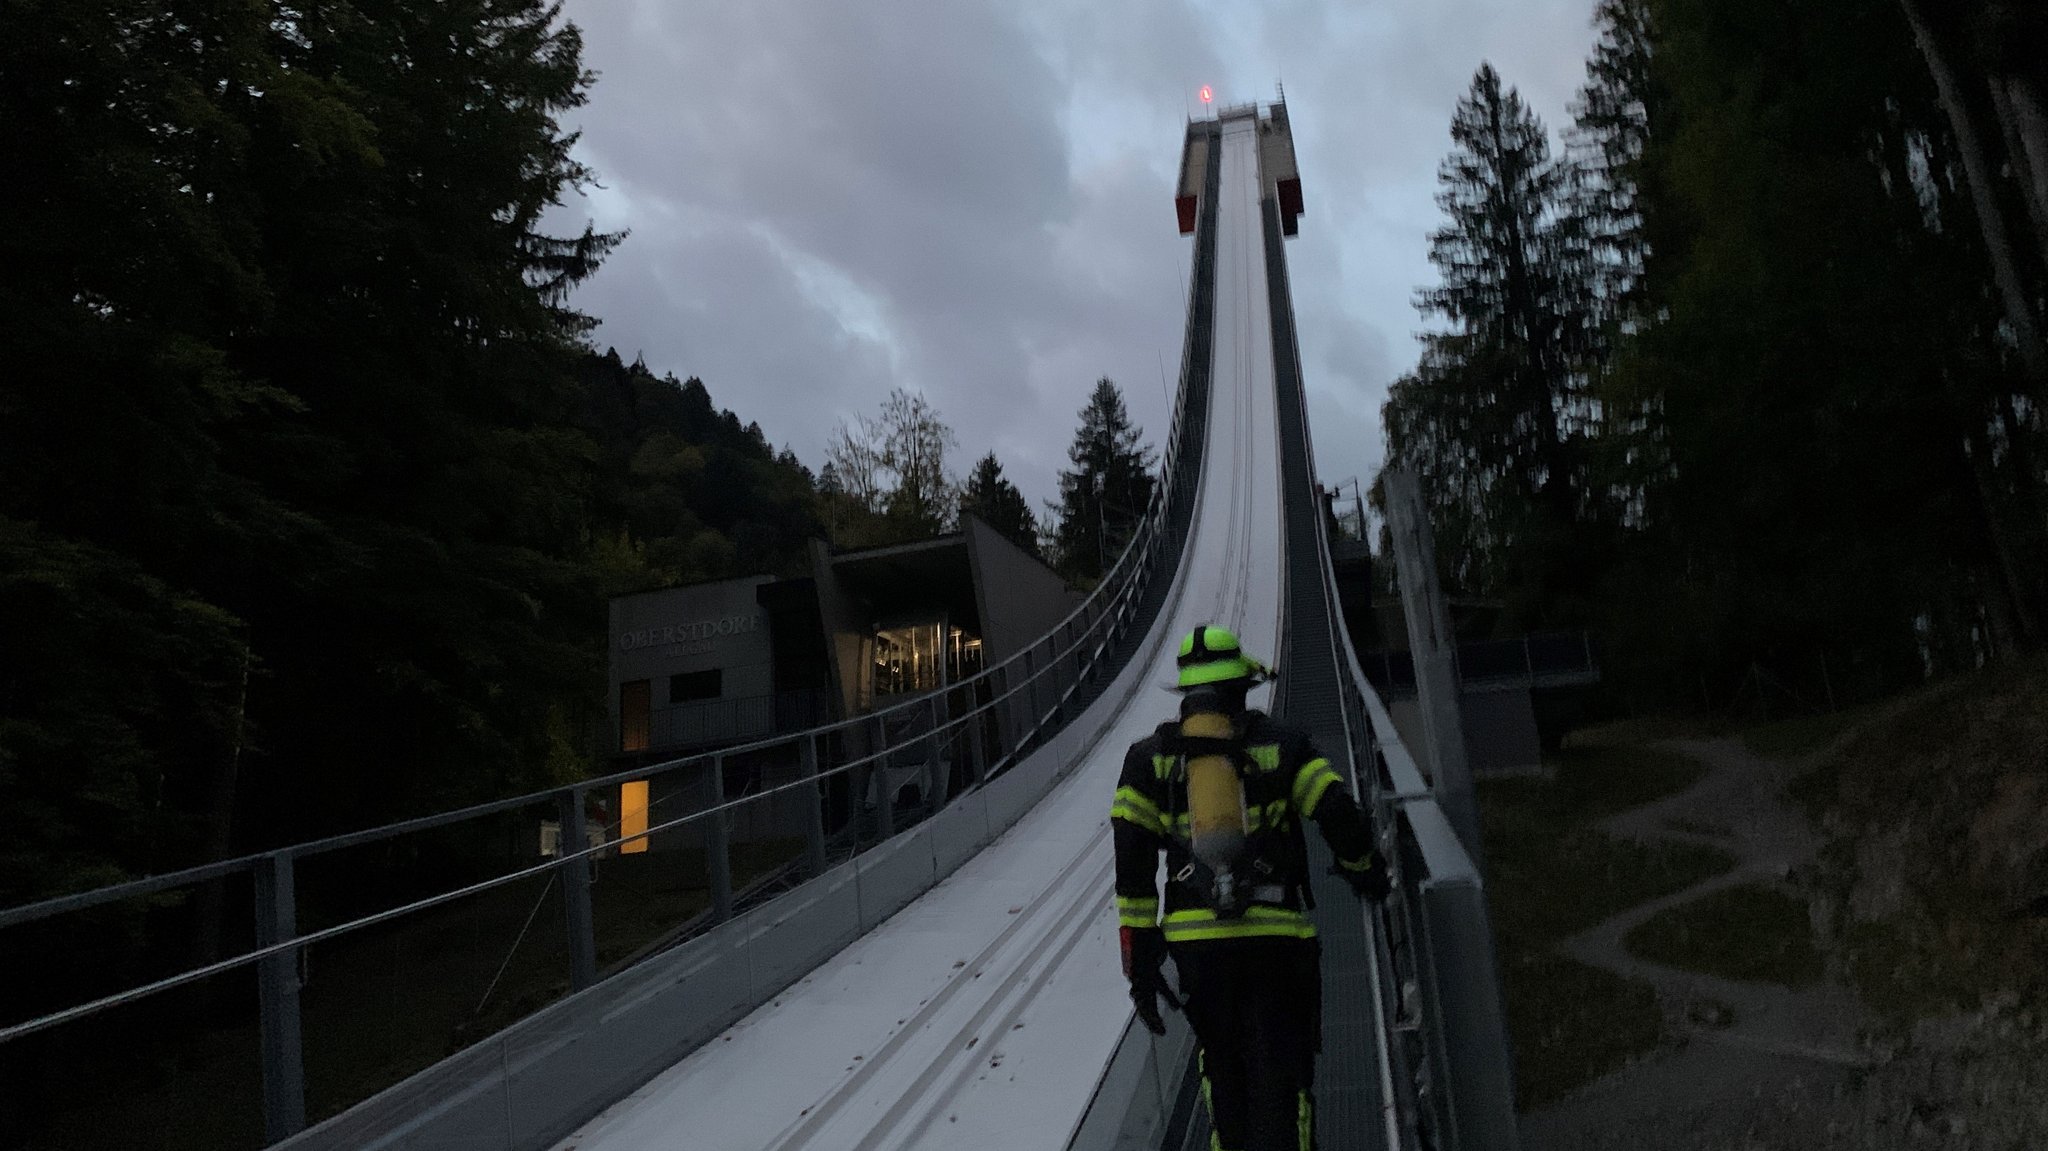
[[1109, 588], [1061, 664], [1382, 985], [146, 885], [1362, 724], [1424, 1090], [194, 975]]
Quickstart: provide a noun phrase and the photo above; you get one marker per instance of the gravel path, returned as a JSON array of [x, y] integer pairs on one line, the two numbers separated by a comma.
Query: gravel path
[[1744, 1057], [1789, 1071], [1771, 843]]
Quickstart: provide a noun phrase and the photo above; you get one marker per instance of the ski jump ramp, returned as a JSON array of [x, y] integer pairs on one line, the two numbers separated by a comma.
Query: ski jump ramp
[[983, 1014]]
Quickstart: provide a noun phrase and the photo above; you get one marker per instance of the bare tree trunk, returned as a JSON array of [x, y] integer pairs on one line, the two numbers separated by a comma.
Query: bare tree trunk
[[2019, 438], [1994, 599], [1989, 218], [2033, 180], [2018, 593], [220, 825], [2030, 121]]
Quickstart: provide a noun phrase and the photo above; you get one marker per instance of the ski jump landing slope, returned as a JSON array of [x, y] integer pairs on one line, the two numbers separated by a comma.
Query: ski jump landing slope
[[983, 1014]]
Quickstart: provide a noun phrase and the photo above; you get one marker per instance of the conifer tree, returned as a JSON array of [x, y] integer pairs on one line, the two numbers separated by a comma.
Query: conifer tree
[[1512, 261], [1499, 403], [290, 428], [1611, 131], [1106, 494], [997, 502], [1614, 116]]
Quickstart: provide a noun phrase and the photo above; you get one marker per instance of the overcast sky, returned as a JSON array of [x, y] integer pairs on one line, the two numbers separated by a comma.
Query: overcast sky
[[828, 199]]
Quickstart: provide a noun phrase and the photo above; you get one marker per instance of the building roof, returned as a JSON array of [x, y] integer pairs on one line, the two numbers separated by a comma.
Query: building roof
[[913, 577]]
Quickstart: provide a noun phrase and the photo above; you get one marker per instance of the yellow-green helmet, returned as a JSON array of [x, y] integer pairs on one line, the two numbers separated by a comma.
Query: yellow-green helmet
[[1211, 655]]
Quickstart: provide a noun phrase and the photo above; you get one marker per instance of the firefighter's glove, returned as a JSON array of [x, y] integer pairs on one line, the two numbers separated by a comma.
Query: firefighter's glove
[[1144, 962], [1368, 877]]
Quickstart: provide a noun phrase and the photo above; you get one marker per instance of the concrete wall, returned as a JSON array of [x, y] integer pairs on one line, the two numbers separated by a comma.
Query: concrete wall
[[846, 624], [1020, 598], [1407, 716], [719, 625], [1500, 730]]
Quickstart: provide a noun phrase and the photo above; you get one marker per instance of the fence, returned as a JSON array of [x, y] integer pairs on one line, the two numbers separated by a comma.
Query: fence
[[1449, 1069]]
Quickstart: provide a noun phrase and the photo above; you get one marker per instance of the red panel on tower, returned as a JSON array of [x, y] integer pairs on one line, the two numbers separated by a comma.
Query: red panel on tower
[[1290, 196], [1185, 207]]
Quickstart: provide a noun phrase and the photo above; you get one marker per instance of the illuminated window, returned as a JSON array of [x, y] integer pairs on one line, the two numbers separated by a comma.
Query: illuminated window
[[633, 817], [907, 660], [923, 658], [963, 655]]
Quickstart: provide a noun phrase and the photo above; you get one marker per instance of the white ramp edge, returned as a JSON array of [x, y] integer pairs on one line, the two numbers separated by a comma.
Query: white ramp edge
[[983, 1014]]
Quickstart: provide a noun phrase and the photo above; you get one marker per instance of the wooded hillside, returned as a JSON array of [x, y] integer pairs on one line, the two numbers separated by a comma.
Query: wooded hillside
[[1748, 376], [311, 492]]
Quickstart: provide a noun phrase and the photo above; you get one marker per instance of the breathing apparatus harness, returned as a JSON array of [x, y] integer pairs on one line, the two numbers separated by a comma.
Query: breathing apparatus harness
[[1209, 744]]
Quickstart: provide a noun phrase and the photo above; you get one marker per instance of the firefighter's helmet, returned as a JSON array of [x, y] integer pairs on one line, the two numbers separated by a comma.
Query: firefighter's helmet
[[1211, 655]]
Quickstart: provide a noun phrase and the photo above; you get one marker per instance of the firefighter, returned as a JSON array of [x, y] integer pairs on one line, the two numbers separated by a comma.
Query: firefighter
[[1224, 791]]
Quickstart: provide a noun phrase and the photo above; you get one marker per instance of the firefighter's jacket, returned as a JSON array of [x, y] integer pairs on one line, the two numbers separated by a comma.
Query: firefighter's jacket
[[1286, 781]]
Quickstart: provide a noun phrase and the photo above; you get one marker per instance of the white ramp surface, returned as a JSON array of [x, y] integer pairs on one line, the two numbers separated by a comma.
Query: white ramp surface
[[983, 1014]]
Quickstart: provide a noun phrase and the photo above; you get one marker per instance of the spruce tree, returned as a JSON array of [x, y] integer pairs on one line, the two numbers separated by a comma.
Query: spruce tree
[[1106, 494], [1498, 409], [1611, 130], [1512, 261], [998, 503], [1614, 116]]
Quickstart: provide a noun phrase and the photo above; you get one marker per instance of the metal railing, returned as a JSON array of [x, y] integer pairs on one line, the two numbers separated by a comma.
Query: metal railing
[[1449, 1069], [966, 734], [1447, 1078]]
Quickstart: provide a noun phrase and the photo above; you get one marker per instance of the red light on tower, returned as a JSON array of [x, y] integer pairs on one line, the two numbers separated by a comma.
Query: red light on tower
[[1206, 94]]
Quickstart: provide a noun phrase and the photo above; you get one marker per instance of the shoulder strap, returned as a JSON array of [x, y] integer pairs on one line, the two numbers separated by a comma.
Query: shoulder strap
[[1192, 745]]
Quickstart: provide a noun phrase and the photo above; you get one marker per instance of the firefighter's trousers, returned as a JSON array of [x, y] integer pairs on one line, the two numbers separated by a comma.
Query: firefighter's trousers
[[1256, 1007]]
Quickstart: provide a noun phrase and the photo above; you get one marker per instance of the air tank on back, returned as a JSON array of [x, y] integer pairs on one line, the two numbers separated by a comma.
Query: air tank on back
[[1216, 814]]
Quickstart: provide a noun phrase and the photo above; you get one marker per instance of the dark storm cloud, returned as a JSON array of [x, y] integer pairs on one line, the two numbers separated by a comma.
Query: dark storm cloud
[[972, 199]]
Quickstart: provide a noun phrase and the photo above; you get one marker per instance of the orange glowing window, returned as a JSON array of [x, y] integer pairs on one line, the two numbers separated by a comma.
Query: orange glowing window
[[633, 817]]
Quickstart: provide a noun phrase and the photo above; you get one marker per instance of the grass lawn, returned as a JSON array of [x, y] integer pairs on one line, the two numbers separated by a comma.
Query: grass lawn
[[1750, 932], [1791, 738], [1551, 874], [1584, 784], [1571, 1023]]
